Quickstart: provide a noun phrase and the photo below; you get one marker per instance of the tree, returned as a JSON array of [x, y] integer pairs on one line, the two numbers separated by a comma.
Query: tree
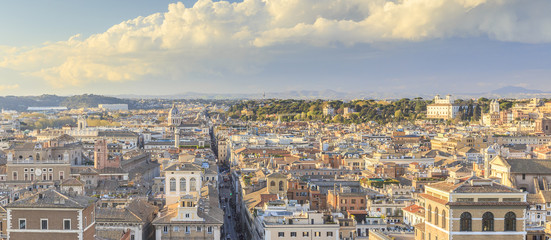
[[398, 115], [477, 113]]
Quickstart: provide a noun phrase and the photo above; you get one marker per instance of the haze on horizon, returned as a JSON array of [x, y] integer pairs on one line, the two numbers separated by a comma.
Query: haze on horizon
[[160, 47]]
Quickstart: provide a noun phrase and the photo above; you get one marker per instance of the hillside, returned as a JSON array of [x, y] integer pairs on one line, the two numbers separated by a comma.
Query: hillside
[[21, 103]]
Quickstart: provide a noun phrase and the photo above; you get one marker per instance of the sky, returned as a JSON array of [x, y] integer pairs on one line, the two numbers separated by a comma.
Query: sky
[[160, 47]]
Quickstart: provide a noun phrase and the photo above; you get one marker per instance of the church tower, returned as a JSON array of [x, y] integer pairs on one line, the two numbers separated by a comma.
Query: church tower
[[101, 154], [494, 106], [177, 138], [174, 118], [489, 154], [82, 124]]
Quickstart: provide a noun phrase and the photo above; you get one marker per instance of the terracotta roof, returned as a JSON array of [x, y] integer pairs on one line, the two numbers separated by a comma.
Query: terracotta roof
[[72, 182], [414, 208], [432, 198], [420, 226], [253, 199]]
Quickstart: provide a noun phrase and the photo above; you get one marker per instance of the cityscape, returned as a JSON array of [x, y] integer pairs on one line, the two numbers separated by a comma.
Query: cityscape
[[275, 119]]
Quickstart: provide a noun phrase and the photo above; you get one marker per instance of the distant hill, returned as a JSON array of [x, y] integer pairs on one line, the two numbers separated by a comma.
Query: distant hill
[[21, 103], [514, 90], [90, 100]]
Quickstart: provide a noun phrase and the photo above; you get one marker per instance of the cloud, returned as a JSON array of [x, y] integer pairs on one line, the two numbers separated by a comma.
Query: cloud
[[213, 38], [8, 87]]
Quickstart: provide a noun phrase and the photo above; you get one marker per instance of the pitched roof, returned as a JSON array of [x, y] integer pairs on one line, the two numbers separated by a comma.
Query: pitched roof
[[184, 167], [277, 175], [472, 184], [52, 199], [254, 198], [135, 211], [72, 182], [537, 166]]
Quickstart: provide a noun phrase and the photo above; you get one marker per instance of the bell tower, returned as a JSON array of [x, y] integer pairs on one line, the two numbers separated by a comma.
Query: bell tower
[[82, 124]]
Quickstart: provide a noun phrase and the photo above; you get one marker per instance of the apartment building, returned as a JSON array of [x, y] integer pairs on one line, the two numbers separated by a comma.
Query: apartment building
[[51, 215]]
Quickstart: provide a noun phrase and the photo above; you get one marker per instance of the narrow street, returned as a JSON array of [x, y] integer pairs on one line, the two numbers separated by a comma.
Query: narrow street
[[229, 213]]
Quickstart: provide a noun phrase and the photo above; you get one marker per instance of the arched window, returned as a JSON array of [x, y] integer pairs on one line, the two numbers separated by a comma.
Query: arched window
[[173, 185], [192, 184], [272, 184], [436, 216], [510, 221], [37, 156], [488, 221], [443, 218], [465, 222], [183, 186], [281, 186], [429, 212]]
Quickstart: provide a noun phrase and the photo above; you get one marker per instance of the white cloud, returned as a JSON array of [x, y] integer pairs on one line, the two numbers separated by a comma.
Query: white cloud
[[8, 87], [216, 37]]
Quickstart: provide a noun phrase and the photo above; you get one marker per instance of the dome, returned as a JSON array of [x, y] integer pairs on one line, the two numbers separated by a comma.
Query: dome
[[174, 110]]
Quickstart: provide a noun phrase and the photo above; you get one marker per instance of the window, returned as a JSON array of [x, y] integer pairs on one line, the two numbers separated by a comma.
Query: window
[[67, 224], [293, 234], [281, 187], [14, 175], [329, 234], [429, 212], [281, 234], [192, 184], [165, 229], [305, 234], [465, 222], [488, 199], [22, 223], [187, 215], [199, 229], [317, 234], [510, 221], [487, 221], [173, 185], [188, 230], [272, 184], [443, 218], [61, 175], [209, 230], [436, 216], [176, 229], [183, 186]]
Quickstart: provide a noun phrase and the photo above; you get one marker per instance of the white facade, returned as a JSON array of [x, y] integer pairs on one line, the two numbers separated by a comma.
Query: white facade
[[181, 183], [113, 107], [442, 108]]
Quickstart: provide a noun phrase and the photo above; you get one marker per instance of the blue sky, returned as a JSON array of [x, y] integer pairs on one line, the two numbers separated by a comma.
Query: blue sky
[[150, 47]]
